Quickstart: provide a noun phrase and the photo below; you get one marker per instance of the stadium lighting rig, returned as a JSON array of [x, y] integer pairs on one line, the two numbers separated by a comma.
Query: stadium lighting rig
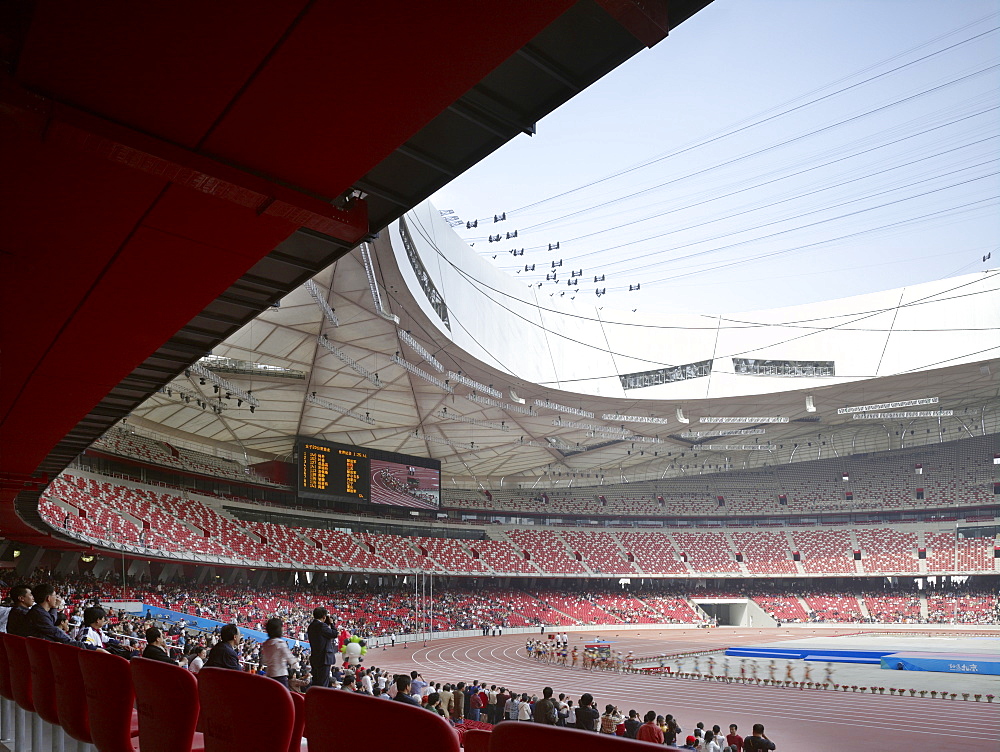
[[563, 408], [366, 418], [407, 339], [201, 401], [221, 385], [321, 302], [366, 260], [887, 406], [912, 414], [738, 419], [474, 385], [501, 426], [644, 439], [480, 399], [442, 440], [738, 447], [722, 432], [349, 361], [614, 418], [443, 385], [593, 427]]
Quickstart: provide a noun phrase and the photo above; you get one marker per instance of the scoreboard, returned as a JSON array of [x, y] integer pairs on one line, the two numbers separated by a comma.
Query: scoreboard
[[333, 471], [344, 473]]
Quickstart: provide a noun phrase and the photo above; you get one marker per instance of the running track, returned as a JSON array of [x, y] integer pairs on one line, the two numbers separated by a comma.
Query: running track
[[796, 720]]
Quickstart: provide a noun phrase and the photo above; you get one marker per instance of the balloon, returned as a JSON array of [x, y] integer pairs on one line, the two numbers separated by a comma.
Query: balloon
[[364, 651], [355, 638]]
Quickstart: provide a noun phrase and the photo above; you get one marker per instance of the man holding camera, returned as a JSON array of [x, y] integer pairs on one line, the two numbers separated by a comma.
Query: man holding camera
[[322, 646]]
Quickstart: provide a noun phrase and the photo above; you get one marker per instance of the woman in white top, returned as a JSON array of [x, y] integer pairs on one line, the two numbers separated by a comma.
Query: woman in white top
[[524, 709], [197, 660], [709, 744], [275, 654]]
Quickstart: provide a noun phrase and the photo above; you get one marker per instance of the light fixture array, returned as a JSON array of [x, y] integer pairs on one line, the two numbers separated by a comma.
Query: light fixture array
[[226, 386], [441, 440], [563, 408], [528, 442], [321, 302], [466, 381], [365, 418], [407, 339], [738, 447], [188, 397], [888, 405], [349, 361], [913, 414], [480, 399], [643, 439], [501, 426], [366, 260], [614, 418], [722, 432], [593, 427], [738, 419], [423, 374]]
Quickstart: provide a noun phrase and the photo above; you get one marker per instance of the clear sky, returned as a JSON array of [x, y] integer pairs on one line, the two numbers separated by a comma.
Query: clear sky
[[768, 170]]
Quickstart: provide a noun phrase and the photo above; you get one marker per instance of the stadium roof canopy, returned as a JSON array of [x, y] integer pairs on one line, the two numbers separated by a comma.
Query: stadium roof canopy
[[556, 372]]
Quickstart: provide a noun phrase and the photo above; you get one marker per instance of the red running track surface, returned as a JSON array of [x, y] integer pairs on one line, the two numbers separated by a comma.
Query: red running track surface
[[795, 720]]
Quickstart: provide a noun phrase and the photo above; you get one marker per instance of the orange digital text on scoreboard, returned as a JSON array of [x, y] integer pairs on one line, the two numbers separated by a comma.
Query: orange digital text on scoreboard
[[315, 470]]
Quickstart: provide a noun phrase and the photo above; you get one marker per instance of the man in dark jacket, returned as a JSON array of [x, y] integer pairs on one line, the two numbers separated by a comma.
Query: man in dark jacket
[[156, 647], [43, 615], [223, 654], [322, 647], [545, 709], [21, 601]]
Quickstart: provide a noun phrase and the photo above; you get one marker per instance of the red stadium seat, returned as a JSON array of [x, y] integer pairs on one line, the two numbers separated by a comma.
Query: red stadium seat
[[167, 703], [28, 724], [43, 687], [519, 737], [71, 694], [476, 740], [299, 726], [338, 720], [107, 683], [241, 712]]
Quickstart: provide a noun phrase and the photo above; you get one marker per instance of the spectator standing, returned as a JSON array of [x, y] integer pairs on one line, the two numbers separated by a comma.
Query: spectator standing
[[524, 708], [322, 647], [632, 723], [611, 719], [587, 715], [709, 744], [274, 653], [546, 710], [733, 739], [758, 742], [649, 731]]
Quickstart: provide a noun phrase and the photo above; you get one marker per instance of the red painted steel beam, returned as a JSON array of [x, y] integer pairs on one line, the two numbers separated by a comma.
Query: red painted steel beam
[[68, 126]]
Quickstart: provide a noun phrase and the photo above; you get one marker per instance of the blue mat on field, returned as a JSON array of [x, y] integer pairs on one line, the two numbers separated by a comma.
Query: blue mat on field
[[812, 653], [948, 663]]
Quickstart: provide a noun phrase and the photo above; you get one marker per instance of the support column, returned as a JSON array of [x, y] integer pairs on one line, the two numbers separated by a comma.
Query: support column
[[169, 572], [68, 562]]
